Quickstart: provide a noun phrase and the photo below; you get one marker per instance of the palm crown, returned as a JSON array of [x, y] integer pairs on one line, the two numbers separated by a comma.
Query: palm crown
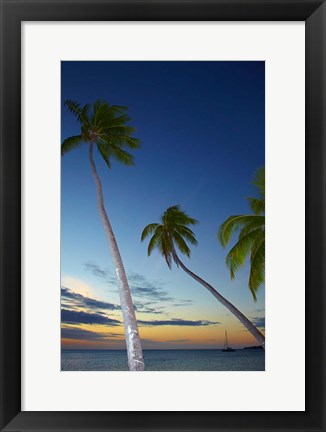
[[170, 232], [251, 239], [104, 125]]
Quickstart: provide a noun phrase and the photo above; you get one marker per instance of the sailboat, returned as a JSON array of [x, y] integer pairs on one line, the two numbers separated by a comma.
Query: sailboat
[[226, 346]]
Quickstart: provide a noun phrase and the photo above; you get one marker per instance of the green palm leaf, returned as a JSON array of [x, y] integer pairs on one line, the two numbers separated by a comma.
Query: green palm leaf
[[238, 254], [76, 110], [120, 130], [121, 155], [257, 267], [121, 140], [232, 224], [251, 240], [259, 224], [101, 113], [257, 205], [175, 215], [154, 241], [71, 143], [119, 108], [121, 120], [149, 229], [187, 234], [104, 153], [182, 245], [165, 247]]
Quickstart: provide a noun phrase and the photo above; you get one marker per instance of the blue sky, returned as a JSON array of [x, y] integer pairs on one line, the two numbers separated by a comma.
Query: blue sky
[[202, 128]]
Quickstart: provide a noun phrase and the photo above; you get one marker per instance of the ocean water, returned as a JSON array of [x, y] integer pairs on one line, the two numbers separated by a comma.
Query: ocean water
[[165, 360]]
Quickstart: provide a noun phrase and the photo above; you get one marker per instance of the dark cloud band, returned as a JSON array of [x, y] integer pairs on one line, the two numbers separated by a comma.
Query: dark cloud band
[[177, 322], [81, 334], [80, 300], [74, 317]]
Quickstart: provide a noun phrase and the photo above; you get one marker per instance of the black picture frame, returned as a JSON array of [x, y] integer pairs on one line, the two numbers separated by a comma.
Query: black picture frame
[[13, 12]]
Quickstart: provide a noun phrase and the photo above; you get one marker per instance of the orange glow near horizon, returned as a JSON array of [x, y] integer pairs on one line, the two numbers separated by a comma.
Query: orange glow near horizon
[[172, 337], [198, 327]]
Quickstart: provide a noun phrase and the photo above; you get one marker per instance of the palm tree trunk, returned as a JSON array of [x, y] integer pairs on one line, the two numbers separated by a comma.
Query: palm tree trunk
[[134, 349], [243, 319]]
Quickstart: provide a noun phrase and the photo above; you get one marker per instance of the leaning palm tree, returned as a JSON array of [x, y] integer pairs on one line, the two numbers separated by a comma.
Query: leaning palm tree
[[104, 126], [171, 234], [251, 239]]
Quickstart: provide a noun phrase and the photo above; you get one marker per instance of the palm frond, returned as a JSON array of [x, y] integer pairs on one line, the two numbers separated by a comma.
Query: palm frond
[[108, 122], [111, 150], [104, 153], [102, 114], [165, 247], [256, 205], [120, 130], [149, 229], [121, 140], [186, 233], [116, 121], [231, 225], [251, 239], [154, 241], [76, 110], [258, 224], [181, 244], [96, 105], [71, 143], [131, 142], [240, 251], [257, 267], [174, 215], [122, 156], [119, 108], [85, 112]]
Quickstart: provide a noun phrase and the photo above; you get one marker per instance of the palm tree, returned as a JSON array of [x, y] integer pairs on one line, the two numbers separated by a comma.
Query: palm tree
[[251, 239], [172, 233], [105, 127]]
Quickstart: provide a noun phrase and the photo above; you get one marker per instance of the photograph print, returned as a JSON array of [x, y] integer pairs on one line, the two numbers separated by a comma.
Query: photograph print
[[162, 216]]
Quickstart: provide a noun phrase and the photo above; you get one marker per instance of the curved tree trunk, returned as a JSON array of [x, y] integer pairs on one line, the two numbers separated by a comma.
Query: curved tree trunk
[[134, 349], [243, 319]]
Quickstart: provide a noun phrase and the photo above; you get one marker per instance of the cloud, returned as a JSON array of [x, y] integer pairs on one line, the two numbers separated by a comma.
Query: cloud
[[141, 287], [178, 340], [137, 278], [81, 300], [81, 334], [146, 307], [96, 270], [153, 290], [177, 322], [183, 302], [150, 292], [259, 322], [74, 317], [139, 284]]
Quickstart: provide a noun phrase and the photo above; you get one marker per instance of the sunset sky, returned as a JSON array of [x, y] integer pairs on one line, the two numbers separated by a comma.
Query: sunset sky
[[201, 126]]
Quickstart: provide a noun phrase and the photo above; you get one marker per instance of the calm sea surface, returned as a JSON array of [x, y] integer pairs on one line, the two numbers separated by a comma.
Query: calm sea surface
[[165, 360]]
